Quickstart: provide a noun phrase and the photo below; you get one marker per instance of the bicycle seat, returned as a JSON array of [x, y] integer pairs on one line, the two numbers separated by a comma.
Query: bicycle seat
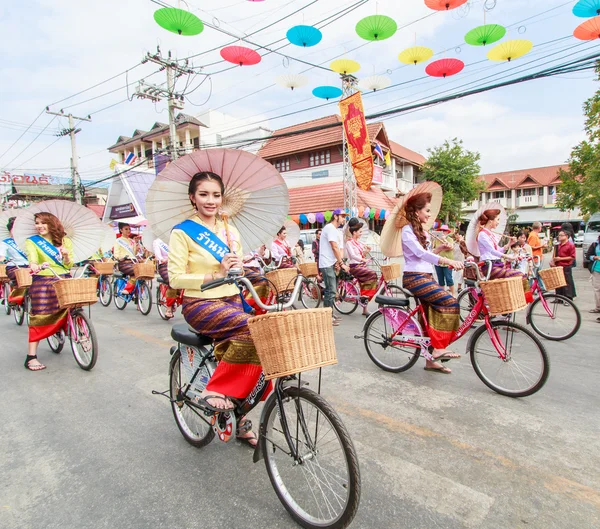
[[182, 333], [390, 301]]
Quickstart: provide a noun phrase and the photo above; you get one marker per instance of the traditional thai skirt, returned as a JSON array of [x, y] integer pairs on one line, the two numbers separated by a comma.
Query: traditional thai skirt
[[441, 307], [171, 294], [16, 294], [126, 267], [501, 270], [366, 277], [46, 317], [287, 262], [225, 321]]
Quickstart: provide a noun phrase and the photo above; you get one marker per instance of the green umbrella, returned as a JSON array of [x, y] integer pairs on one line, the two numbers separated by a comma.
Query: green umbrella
[[486, 34], [178, 21], [376, 27]]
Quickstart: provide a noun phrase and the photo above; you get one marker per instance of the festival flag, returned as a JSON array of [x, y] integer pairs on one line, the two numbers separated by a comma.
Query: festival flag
[[377, 150], [357, 138], [113, 164], [131, 159], [388, 159]]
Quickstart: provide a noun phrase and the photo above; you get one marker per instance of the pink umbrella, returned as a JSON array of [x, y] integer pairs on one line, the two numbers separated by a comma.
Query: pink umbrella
[[240, 55]]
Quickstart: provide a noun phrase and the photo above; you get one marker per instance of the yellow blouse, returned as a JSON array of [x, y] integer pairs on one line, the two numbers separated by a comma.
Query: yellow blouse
[[37, 256], [120, 252], [189, 263]]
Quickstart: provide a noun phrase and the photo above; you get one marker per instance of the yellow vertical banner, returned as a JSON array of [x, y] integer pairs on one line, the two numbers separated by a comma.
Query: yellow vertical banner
[[357, 138]]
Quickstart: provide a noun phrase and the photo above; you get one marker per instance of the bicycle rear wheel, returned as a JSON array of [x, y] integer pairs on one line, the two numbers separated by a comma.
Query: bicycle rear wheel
[[310, 294], [144, 298], [161, 301], [118, 288], [525, 366], [346, 298], [56, 341], [84, 343], [19, 313], [386, 352], [104, 291], [5, 294], [559, 321], [322, 488]]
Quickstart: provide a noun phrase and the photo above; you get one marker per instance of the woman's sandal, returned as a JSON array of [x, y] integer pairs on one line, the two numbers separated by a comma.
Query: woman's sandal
[[443, 370], [245, 427], [203, 401], [38, 367]]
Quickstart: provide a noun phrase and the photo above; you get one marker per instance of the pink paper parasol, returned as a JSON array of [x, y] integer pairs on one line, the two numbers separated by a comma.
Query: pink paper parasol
[[240, 55], [444, 67]]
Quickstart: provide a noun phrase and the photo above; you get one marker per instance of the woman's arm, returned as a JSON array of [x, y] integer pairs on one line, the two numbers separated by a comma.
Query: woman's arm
[[486, 245], [410, 241]]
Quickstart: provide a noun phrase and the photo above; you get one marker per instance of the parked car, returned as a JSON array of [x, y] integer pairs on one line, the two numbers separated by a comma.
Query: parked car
[[579, 238], [592, 231]]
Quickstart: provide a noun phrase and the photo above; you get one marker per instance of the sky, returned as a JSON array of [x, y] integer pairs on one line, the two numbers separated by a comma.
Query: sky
[[55, 49]]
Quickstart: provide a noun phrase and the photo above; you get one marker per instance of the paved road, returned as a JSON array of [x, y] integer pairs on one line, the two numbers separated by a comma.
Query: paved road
[[94, 450]]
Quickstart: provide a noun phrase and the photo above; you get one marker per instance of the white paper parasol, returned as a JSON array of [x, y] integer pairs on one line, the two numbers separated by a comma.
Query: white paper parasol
[[148, 238], [292, 232], [256, 196], [108, 239], [4, 216], [472, 231], [81, 224]]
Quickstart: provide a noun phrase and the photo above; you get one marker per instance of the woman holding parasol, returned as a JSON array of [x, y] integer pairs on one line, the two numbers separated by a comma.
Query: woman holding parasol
[[15, 257], [356, 251]]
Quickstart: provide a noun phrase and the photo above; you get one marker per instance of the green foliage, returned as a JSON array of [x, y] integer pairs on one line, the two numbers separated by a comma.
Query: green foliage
[[457, 171]]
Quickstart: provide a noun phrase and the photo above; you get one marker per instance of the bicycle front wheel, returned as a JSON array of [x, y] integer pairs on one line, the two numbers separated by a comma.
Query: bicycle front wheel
[[56, 341], [84, 343], [5, 294], [144, 298], [509, 359], [467, 301], [161, 301], [104, 291], [346, 298], [321, 489], [310, 294], [554, 317], [19, 313]]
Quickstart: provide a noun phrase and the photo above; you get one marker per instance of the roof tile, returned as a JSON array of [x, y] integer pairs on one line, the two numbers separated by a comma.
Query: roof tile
[[407, 154], [538, 177]]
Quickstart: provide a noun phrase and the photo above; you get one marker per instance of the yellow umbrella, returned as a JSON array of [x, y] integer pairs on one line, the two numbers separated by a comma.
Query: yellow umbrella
[[511, 49], [415, 55], [345, 66]]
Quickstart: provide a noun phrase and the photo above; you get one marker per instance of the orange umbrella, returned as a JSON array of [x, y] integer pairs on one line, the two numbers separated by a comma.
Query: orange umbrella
[[589, 30], [444, 5]]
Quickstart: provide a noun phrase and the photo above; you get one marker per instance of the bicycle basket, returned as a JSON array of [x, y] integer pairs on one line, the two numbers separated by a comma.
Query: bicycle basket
[[73, 293], [504, 295], [309, 269], [3, 276], [294, 341], [553, 278], [143, 270], [104, 268], [282, 279], [23, 277], [390, 271]]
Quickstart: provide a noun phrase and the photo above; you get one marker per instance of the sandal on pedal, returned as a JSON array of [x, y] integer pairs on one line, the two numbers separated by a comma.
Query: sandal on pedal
[[203, 401], [443, 370], [38, 367], [447, 356], [245, 428]]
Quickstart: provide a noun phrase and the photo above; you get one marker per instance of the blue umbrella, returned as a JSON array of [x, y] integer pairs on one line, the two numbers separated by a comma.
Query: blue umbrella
[[587, 8], [304, 36], [327, 92]]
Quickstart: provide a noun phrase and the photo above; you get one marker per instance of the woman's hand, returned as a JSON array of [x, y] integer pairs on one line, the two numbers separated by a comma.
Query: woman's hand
[[35, 268], [510, 257], [230, 260], [457, 265]]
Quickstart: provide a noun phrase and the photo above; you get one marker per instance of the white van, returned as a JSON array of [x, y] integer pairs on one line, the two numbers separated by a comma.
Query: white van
[[592, 231]]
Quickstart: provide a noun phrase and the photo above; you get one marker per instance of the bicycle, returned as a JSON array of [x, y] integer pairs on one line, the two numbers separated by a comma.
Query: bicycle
[[141, 294], [394, 340], [20, 309], [161, 299], [308, 453]]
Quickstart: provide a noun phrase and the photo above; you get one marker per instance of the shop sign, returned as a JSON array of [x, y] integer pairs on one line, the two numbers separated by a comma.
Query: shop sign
[[122, 211], [20, 179], [320, 174]]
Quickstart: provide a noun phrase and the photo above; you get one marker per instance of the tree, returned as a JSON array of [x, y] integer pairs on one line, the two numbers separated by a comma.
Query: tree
[[457, 171], [580, 187]]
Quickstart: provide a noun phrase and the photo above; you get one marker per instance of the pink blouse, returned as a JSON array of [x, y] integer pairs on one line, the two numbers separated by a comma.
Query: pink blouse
[[488, 248], [417, 258], [354, 252]]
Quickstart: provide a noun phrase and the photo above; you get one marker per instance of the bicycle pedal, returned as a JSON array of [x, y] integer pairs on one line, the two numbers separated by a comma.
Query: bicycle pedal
[[358, 336]]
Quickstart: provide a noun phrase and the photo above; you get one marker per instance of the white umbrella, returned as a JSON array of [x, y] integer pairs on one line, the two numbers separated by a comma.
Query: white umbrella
[[472, 232], [148, 238], [108, 239], [292, 235], [4, 216]]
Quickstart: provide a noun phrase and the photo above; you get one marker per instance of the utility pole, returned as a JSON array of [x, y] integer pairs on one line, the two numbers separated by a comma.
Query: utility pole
[[71, 131], [156, 93]]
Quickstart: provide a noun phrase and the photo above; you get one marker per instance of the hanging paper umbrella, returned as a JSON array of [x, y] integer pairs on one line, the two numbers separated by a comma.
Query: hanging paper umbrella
[[444, 67], [256, 197], [587, 8], [444, 5], [240, 55], [178, 21], [415, 55], [292, 80], [81, 224], [486, 34], [375, 82], [304, 36], [345, 66], [589, 30], [376, 27], [509, 50], [327, 92]]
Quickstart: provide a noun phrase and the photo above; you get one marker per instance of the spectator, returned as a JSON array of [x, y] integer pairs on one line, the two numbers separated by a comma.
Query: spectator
[[315, 245], [593, 256], [565, 256], [535, 242]]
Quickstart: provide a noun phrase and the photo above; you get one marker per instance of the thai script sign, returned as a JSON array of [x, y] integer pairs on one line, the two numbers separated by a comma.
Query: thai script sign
[[20, 179]]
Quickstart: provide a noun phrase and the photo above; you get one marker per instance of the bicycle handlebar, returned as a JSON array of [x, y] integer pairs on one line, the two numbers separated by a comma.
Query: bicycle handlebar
[[472, 264]]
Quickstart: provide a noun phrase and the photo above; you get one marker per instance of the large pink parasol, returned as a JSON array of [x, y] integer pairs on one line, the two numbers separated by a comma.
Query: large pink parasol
[[472, 231], [256, 197]]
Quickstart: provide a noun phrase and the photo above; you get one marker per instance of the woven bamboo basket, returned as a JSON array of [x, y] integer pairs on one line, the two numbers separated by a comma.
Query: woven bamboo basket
[[390, 271], [504, 295], [23, 277], [309, 269], [3, 276], [73, 293], [143, 270], [104, 268], [294, 341], [282, 279], [553, 278]]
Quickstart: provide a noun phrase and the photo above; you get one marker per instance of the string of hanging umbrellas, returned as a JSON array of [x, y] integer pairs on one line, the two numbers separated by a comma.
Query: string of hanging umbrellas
[[325, 216], [372, 28]]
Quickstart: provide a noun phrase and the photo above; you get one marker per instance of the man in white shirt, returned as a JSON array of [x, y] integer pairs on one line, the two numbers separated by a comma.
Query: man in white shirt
[[331, 257]]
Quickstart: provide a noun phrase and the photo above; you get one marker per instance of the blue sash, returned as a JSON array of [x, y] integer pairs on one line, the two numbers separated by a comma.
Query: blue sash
[[11, 242], [204, 238], [49, 249]]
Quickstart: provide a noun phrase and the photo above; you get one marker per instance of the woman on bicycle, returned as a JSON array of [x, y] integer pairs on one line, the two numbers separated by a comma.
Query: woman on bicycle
[[356, 251], [442, 309], [217, 313], [280, 249], [49, 252], [255, 274], [16, 258], [124, 252], [161, 254]]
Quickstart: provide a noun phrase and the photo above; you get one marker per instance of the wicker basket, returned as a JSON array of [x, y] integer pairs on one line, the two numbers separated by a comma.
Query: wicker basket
[[293, 342], [23, 277], [553, 278], [104, 268], [143, 270], [390, 271], [282, 279], [3, 276], [73, 293], [309, 269], [504, 295]]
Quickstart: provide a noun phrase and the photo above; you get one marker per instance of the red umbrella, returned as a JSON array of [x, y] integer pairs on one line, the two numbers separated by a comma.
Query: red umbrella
[[240, 55], [444, 5], [589, 30], [444, 67]]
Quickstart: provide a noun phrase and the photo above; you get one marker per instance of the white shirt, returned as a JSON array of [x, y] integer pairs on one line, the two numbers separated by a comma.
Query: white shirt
[[329, 234]]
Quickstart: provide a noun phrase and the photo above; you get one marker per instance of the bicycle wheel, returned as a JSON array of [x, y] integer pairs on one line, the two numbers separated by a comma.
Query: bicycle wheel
[[386, 352], [467, 302], [5, 294], [19, 312], [346, 297], [195, 429], [161, 301], [56, 341], [144, 298], [557, 319], [322, 488], [27, 308], [104, 291], [84, 343], [310, 294], [118, 300], [525, 366]]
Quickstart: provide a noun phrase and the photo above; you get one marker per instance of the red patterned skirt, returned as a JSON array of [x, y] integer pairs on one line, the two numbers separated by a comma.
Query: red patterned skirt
[[46, 317], [366, 277], [171, 295]]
